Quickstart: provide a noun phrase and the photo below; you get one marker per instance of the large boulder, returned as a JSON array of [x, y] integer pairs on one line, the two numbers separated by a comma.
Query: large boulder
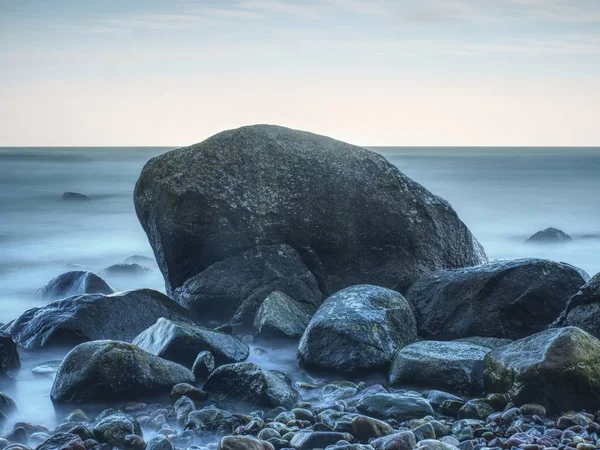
[[558, 368], [358, 329], [504, 299], [181, 342], [346, 214], [583, 309], [105, 371], [282, 316], [119, 316], [76, 282], [250, 383], [453, 366]]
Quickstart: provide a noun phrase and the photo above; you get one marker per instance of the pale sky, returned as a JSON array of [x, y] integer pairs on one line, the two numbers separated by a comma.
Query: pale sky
[[370, 72]]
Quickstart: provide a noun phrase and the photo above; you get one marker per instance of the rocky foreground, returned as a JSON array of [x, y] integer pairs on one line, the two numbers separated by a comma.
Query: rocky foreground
[[409, 337]]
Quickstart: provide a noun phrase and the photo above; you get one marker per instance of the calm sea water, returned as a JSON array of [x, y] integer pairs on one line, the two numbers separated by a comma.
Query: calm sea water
[[503, 195]]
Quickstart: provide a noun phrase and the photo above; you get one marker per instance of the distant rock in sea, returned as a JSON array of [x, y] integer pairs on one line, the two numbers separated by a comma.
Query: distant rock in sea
[[75, 197], [77, 282], [549, 236], [264, 208], [125, 270]]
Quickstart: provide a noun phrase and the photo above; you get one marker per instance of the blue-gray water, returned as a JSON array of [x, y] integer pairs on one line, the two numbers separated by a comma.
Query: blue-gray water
[[503, 195]]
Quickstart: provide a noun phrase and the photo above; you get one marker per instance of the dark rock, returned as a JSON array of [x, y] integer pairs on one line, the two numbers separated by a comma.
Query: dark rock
[[488, 342], [7, 404], [203, 365], [159, 442], [281, 315], [77, 282], [117, 429], [250, 383], [395, 406], [456, 366], [424, 431], [436, 398], [365, 428], [236, 287], [125, 270], [75, 197], [476, 408], [357, 330], [17, 435], [583, 309], [308, 440], [265, 187], [102, 371], [403, 440], [503, 299], [557, 368], [119, 316], [62, 441], [549, 236], [181, 342], [141, 260], [192, 392], [9, 355], [212, 420], [243, 443], [432, 444]]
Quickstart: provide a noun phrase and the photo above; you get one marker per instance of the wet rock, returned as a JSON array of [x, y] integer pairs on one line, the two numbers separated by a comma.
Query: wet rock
[[250, 383], [357, 330], [119, 316], [404, 440], [119, 430], [181, 343], [9, 355], [475, 409], [189, 391], [243, 443], [47, 369], [282, 316], [77, 282], [365, 428], [203, 365], [503, 299], [212, 419], [307, 440], [7, 404], [488, 342], [101, 371], [17, 435], [436, 398], [431, 444], [549, 236], [457, 366], [62, 441], [212, 202], [159, 442], [557, 368], [75, 197], [583, 309], [124, 270], [395, 406]]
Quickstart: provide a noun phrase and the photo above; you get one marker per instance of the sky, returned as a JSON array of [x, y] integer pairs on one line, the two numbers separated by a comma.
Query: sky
[[370, 72]]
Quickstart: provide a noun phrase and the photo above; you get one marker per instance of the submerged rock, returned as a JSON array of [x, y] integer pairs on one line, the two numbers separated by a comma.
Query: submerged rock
[[549, 236], [119, 316], [76, 282], [358, 329], [181, 342], [557, 368], [281, 315], [583, 309], [104, 371], [75, 197], [455, 366], [503, 299], [251, 383], [260, 187]]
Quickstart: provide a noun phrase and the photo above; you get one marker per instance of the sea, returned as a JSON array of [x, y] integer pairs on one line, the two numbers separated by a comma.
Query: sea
[[503, 194]]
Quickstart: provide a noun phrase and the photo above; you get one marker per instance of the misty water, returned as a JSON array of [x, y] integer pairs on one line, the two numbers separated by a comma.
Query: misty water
[[503, 194]]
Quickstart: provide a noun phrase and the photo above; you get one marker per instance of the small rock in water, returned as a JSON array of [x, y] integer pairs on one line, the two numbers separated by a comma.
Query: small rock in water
[[75, 197], [549, 236], [47, 369]]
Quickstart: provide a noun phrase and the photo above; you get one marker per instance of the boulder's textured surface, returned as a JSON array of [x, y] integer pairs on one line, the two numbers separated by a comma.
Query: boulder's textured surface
[[119, 316], [281, 315], [503, 299], [77, 282], [397, 406], [358, 329], [181, 342], [248, 382], [265, 187], [558, 368], [103, 371], [583, 309], [549, 236], [453, 366]]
